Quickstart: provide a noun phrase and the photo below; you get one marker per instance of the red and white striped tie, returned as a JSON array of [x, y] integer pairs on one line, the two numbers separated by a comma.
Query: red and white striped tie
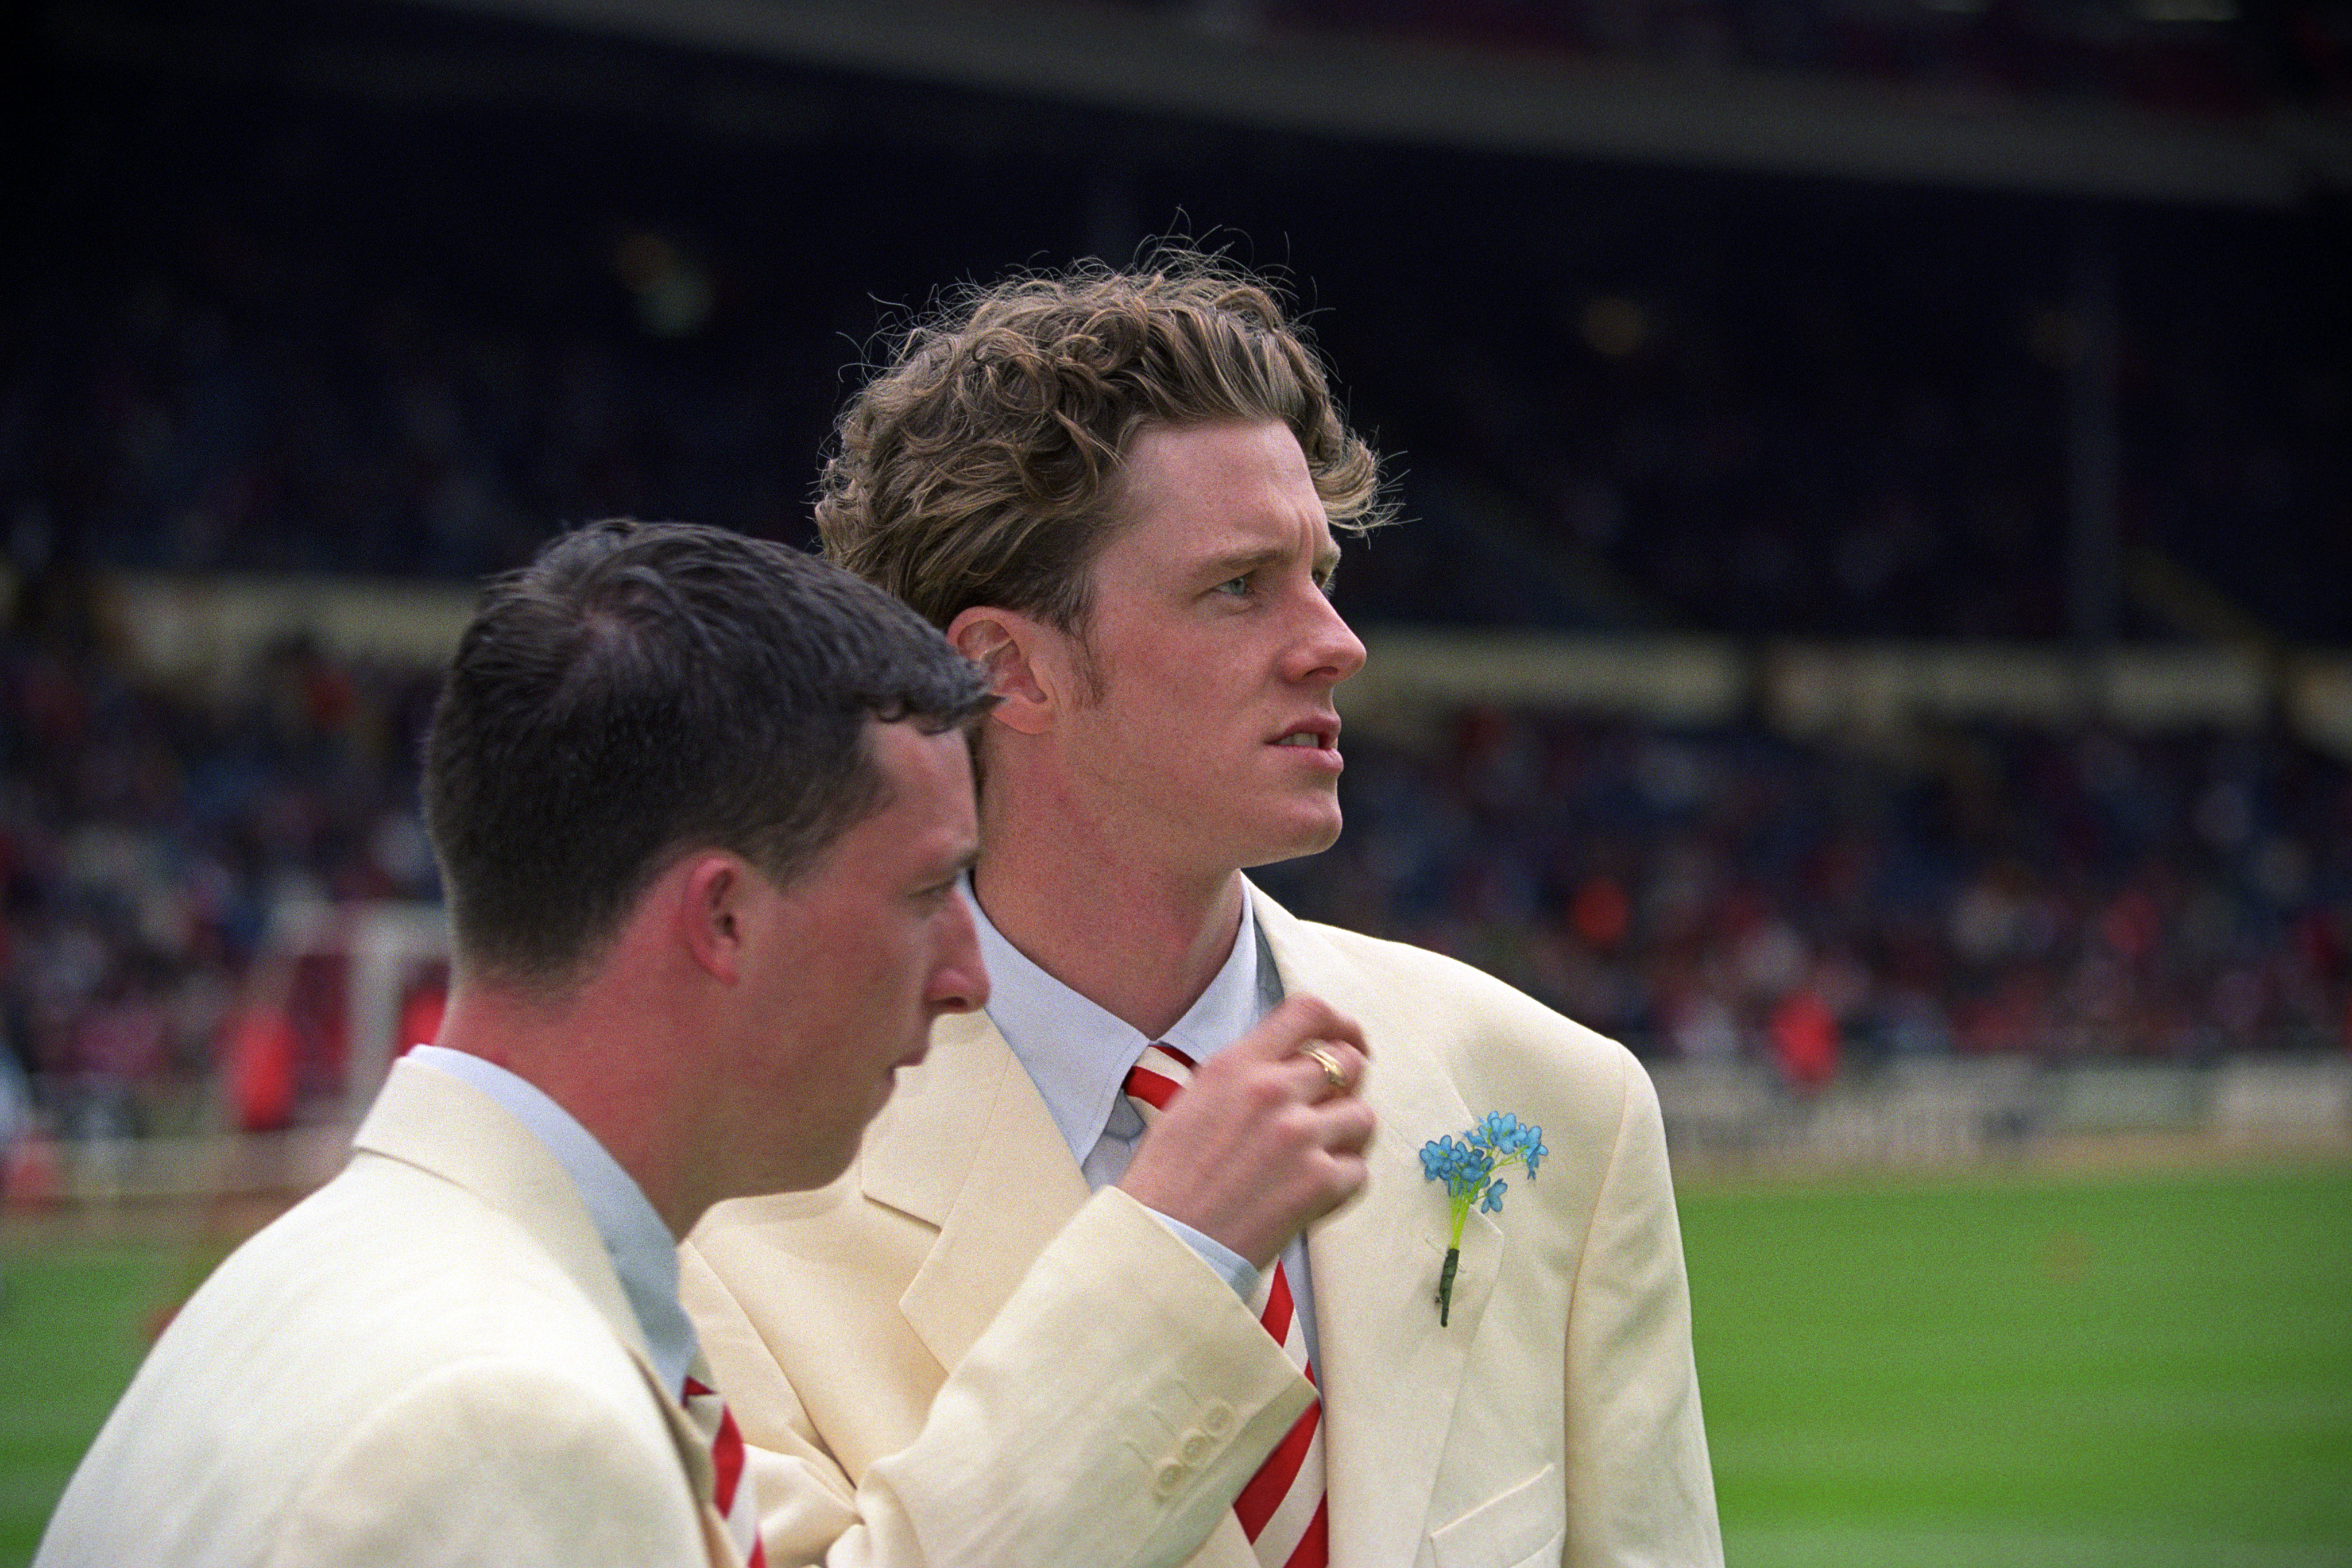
[[1282, 1510], [736, 1504]]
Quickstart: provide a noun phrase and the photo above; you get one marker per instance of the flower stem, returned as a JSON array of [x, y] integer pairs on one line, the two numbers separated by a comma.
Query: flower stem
[[1445, 1284]]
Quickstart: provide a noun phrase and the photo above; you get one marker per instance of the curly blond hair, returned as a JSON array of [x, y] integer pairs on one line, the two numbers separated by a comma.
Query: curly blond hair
[[981, 464]]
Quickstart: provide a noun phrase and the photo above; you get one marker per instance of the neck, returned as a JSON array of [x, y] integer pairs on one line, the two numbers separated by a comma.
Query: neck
[[564, 1049], [1139, 940]]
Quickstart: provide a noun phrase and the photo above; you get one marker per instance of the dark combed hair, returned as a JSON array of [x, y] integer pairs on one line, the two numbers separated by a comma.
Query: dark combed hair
[[980, 465], [644, 690]]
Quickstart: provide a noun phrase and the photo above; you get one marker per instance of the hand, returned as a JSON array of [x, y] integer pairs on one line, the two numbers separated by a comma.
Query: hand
[[1262, 1144]]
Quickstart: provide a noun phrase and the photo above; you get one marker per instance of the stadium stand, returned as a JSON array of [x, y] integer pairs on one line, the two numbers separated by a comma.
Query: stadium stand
[[1711, 893], [384, 292]]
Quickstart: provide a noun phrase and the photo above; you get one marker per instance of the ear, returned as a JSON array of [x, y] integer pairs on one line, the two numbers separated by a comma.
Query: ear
[[1008, 646], [708, 892]]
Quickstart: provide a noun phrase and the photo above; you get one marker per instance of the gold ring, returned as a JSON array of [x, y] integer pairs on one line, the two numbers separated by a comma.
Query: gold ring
[[1330, 1065]]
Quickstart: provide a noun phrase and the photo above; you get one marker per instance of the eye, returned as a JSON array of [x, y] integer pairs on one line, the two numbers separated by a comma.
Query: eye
[[1235, 587]]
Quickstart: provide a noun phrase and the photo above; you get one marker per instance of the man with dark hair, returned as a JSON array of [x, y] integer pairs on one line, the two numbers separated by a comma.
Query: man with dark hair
[[701, 804], [1117, 493]]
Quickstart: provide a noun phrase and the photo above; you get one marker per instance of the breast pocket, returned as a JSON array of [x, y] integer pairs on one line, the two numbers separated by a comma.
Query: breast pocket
[[1516, 1528]]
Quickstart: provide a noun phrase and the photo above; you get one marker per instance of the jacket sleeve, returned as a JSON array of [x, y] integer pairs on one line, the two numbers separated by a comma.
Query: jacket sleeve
[[1108, 1415], [1640, 1490]]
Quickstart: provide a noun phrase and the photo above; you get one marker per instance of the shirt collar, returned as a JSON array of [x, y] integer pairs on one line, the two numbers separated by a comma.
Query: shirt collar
[[643, 1252], [1077, 1053]]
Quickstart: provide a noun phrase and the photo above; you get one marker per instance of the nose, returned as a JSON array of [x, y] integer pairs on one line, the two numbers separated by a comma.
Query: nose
[[1326, 650], [960, 977]]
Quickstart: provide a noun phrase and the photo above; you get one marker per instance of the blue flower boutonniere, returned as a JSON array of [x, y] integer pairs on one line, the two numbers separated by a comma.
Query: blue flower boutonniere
[[1468, 1169]]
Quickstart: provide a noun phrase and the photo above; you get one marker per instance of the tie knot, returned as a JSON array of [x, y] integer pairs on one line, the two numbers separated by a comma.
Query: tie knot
[[1158, 1076]]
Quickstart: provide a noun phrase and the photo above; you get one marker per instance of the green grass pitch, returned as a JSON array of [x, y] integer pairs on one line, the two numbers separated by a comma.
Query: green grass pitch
[[1997, 1371], [2138, 1370], [73, 1324]]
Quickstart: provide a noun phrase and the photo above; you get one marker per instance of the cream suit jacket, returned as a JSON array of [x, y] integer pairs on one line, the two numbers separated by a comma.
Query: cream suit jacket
[[427, 1361], [1556, 1419], [430, 1360]]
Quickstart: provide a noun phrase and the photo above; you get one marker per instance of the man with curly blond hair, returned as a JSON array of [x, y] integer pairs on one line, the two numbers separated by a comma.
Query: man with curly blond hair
[[1119, 491]]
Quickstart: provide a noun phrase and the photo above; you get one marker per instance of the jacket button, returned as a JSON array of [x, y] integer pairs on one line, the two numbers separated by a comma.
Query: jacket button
[[1217, 1418], [1169, 1476], [1193, 1447]]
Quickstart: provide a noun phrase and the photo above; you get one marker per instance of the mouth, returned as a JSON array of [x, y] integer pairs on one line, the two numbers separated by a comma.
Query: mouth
[[1315, 735]]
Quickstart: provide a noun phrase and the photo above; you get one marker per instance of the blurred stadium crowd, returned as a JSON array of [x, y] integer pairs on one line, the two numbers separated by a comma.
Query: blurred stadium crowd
[[1726, 892], [147, 835], [214, 413], [289, 334], [1703, 894]]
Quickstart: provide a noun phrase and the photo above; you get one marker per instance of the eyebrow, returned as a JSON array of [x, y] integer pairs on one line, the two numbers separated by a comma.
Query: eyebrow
[[1240, 563]]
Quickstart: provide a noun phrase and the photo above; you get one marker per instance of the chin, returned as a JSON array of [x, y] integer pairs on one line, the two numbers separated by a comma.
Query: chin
[[826, 1173], [1303, 839]]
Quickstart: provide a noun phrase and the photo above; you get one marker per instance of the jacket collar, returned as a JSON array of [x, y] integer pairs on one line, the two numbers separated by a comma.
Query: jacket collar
[[449, 1129]]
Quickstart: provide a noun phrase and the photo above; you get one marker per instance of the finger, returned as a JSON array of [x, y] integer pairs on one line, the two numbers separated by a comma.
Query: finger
[[1345, 1125], [1321, 1020], [1346, 1176], [1298, 1021]]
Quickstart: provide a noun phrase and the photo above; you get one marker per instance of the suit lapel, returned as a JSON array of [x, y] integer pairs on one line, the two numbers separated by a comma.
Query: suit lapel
[[969, 1146], [1389, 1372]]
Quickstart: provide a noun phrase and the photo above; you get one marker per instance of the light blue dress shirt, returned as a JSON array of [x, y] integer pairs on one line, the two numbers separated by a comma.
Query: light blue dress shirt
[[643, 1252], [1077, 1055]]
